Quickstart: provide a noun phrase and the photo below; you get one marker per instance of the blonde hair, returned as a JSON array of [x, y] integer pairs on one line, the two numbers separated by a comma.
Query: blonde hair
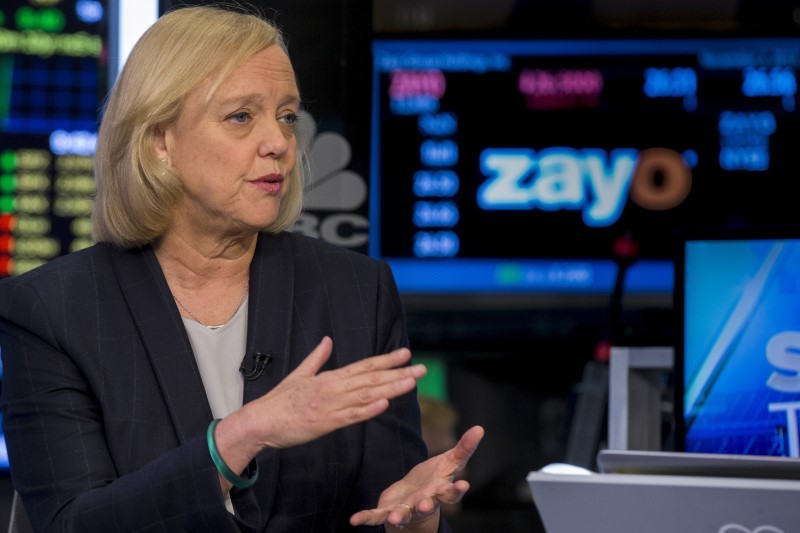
[[135, 194]]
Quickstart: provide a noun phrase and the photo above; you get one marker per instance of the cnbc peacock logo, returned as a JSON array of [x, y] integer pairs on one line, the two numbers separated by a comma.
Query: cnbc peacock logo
[[591, 180], [334, 194]]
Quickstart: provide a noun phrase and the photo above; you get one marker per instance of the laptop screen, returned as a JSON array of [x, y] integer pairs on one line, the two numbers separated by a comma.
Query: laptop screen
[[737, 297]]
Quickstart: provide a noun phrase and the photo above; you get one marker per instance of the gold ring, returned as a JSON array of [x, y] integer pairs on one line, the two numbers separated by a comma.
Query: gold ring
[[410, 509]]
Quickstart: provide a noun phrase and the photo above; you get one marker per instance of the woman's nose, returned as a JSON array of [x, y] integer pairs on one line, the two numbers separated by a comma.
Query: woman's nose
[[275, 139]]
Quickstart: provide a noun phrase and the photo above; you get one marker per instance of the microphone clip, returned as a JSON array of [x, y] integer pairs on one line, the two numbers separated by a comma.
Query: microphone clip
[[260, 362]]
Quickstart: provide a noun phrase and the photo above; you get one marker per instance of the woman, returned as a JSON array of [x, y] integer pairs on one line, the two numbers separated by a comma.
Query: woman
[[202, 369]]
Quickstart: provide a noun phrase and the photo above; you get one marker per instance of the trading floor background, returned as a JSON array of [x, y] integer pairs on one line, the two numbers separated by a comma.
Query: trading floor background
[[521, 164]]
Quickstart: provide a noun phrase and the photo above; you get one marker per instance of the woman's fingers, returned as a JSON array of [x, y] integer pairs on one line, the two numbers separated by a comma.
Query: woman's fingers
[[468, 442], [466, 446], [369, 365], [425, 487], [381, 382], [308, 403], [314, 361], [363, 382], [363, 397]]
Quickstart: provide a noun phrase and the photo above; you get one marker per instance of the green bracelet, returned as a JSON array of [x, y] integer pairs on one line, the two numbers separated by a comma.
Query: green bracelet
[[237, 481]]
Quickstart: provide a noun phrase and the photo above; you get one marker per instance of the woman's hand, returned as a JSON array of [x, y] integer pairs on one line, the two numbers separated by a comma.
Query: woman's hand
[[415, 500], [308, 403]]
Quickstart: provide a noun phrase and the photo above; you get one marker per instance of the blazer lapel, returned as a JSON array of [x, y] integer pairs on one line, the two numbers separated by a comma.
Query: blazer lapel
[[268, 331], [270, 312], [165, 340], [167, 344]]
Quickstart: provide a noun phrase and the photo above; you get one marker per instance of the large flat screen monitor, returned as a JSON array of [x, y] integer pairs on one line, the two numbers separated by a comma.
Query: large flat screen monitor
[[737, 300], [54, 59], [514, 165]]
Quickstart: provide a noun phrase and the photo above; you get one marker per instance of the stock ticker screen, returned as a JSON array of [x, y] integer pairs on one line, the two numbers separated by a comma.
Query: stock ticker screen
[[53, 79], [515, 166]]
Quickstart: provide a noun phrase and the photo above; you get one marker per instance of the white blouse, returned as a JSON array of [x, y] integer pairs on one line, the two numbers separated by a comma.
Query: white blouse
[[219, 352]]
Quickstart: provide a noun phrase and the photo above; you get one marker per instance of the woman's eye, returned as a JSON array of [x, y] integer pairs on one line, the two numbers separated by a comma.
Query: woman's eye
[[239, 118], [290, 119]]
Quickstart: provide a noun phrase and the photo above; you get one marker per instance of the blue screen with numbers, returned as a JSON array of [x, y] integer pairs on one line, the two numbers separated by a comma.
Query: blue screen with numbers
[[515, 165]]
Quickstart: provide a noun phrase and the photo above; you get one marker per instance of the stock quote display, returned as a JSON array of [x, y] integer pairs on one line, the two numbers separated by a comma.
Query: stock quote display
[[551, 150], [53, 79]]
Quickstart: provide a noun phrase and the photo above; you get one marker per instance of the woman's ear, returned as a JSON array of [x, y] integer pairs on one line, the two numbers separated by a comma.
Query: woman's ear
[[160, 143]]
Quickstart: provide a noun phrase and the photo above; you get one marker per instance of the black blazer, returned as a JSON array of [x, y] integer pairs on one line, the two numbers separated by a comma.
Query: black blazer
[[105, 413]]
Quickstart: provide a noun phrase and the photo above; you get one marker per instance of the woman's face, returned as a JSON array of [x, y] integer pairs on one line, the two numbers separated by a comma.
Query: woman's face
[[234, 151]]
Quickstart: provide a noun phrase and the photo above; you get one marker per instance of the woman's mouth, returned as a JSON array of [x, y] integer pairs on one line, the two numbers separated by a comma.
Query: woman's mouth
[[269, 183]]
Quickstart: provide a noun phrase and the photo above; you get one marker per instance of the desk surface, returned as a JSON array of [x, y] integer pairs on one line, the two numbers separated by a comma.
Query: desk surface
[[635, 503]]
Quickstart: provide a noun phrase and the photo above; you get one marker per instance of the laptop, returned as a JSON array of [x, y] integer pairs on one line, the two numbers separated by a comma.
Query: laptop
[[669, 492]]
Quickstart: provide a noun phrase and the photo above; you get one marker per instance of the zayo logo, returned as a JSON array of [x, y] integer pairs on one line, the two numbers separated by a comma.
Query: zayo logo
[[590, 180]]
